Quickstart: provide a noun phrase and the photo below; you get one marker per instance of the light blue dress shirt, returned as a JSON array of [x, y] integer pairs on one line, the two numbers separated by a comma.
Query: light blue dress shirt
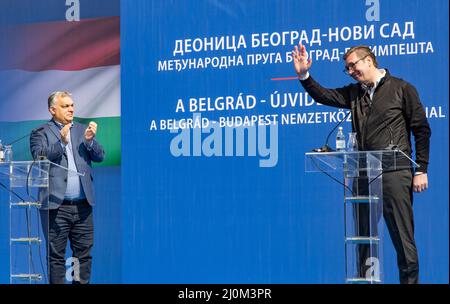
[[74, 188]]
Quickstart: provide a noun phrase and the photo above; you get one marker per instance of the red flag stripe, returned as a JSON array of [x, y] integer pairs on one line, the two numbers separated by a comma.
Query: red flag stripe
[[62, 45]]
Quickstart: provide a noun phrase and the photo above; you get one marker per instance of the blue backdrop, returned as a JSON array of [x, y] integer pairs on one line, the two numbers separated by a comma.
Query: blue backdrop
[[210, 205]]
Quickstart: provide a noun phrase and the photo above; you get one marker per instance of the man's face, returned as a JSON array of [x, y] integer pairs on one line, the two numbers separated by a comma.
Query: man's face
[[358, 67], [62, 110]]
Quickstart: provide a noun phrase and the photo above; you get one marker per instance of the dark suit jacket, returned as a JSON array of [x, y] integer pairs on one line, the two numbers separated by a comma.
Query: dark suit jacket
[[47, 142]]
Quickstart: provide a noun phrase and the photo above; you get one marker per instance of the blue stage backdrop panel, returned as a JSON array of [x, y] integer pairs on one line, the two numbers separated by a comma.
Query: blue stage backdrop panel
[[210, 205]]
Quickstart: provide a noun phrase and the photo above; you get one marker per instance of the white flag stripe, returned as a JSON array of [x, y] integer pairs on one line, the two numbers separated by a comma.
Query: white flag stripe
[[23, 94]]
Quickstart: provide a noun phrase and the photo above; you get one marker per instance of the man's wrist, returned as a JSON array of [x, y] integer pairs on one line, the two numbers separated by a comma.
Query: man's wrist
[[303, 76], [89, 143]]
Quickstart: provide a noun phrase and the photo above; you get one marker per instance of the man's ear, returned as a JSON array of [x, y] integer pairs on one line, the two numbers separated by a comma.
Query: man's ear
[[52, 110]]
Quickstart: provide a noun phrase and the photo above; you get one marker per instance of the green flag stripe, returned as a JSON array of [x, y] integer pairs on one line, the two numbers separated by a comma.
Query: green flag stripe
[[108, 135]]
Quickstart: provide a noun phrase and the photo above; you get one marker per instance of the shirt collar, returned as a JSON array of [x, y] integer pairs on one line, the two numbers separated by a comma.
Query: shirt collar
[[382, 74], [60, 125]]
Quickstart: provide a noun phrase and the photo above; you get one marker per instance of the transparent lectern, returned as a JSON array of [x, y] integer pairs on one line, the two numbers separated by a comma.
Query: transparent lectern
[[27, 226], [361, 173]]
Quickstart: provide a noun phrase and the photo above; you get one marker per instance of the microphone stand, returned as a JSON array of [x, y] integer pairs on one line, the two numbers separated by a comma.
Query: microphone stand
[[326, 147], [26, 135]]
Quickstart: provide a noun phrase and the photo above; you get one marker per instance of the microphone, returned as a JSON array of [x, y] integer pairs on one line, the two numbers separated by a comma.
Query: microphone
[[326, 148], [26, 135]]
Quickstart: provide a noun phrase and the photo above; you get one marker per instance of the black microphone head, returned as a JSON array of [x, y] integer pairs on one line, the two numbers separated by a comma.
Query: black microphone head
[[324, 148], [327, 148]]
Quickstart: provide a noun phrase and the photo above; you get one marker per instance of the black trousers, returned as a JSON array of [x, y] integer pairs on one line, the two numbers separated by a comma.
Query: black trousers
[[398, 215], [73, 223]]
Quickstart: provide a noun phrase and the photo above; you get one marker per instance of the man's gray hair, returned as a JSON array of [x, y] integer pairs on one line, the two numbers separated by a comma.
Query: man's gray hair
[[56, 94]]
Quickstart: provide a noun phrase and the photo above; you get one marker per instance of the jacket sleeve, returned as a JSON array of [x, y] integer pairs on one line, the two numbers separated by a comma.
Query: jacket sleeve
[[39, 146], [95, 150], [418, 124], [339, 97]]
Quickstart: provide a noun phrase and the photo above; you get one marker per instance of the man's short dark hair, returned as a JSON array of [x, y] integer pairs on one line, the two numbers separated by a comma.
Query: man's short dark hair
[[362, 51], [52, 98]]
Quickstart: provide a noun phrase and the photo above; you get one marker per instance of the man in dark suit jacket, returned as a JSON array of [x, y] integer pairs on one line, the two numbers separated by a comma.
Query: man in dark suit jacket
[[71, 195], [386, 111]]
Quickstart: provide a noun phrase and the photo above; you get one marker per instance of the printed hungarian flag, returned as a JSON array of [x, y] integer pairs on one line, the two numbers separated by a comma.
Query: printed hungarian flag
[[81, 57]]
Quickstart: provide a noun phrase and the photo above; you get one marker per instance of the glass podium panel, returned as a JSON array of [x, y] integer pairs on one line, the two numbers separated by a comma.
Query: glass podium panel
[[363, 209], [361, 173], [28, 220], [357, 161]]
